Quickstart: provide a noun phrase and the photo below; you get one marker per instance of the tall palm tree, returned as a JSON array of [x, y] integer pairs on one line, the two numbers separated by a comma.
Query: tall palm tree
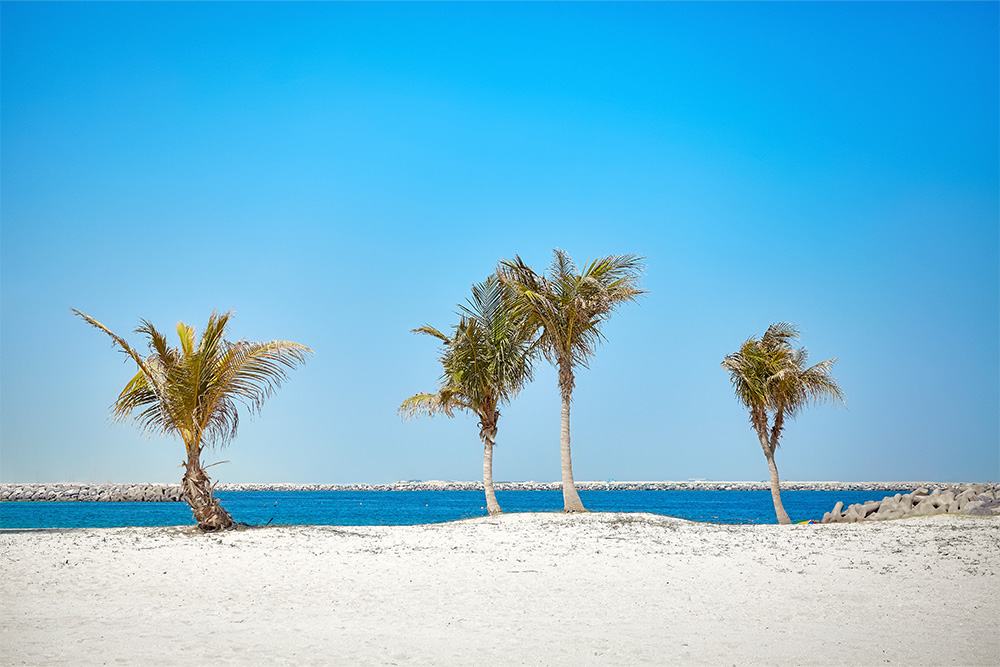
[[486, 361], [569, 307], [771, 379], [192, 392]]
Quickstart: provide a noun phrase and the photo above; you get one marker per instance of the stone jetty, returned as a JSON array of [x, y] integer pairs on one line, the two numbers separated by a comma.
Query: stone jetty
[[983, 499], [69, 491], [610, 485]]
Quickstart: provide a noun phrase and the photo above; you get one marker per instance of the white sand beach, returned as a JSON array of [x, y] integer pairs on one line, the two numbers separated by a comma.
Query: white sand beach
[[531, 589]]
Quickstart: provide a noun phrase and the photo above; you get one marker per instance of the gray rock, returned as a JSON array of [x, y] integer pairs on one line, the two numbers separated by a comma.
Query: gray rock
[[946, 498], [983, 510], [871, 507], [888, 506], [855, 513], [925, 508], [984, 504], [963, 499]]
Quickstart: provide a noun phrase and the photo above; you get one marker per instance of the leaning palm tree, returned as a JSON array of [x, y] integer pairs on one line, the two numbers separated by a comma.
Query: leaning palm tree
[[192, 392], [772, 381], [486, 361], [569, 308]]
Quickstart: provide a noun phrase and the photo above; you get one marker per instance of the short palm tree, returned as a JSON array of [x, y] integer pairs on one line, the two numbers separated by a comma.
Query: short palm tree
[[192, 392], [771, 379], [568, 308], [486, 361]]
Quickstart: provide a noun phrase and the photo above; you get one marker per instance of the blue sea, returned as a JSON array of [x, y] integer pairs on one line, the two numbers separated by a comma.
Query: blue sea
[[400, 508]]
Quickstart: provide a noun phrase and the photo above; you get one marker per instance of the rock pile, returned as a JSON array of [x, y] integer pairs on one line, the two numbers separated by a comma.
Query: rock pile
[[172, 492], [92, 492], [968, 499], [610, 485]]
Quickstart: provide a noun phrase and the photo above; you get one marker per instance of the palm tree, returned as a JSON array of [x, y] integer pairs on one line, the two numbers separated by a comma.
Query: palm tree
[[486, 361], [569, 308], [192, 392], [771, 380]]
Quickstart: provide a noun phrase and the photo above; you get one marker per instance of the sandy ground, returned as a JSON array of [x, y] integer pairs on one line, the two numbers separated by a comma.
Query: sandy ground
[[534, 589]]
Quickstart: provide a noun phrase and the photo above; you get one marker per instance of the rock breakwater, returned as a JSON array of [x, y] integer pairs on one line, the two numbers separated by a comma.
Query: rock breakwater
[[610, 485], [68, 491], [983, 499]]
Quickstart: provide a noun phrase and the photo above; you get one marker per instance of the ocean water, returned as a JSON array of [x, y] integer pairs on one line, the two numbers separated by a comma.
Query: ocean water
[[372, 508]]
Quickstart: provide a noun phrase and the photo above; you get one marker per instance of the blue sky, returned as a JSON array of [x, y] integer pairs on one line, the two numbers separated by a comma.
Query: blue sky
[[342, 173]]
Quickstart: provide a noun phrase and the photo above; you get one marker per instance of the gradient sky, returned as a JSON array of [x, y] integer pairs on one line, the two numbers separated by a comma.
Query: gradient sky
[[339, 174]]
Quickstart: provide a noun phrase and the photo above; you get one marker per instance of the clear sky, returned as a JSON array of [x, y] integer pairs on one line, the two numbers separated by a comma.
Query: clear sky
[[339, 174]]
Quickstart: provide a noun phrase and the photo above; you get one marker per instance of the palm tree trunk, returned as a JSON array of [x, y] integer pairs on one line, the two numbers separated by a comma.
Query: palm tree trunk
[[571, 499], [205, 506], [492, 506], [779, 509], [765, 443]]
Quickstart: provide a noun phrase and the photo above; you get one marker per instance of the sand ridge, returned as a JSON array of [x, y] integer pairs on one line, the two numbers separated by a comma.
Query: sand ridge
[[536, 589]]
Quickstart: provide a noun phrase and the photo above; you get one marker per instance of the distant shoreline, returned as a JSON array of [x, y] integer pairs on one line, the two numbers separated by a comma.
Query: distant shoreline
[[162, 492]]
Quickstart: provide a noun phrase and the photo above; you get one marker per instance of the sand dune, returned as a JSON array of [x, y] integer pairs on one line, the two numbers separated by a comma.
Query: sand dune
[[535, 589]]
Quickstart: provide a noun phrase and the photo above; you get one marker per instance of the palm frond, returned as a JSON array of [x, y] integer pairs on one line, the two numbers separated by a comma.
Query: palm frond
[[819, 384], [251, 372], [157, 341], [443, 402], [431, 331], [121, 342], [138, 393], [780, 333], [186, 335], [561, 264]]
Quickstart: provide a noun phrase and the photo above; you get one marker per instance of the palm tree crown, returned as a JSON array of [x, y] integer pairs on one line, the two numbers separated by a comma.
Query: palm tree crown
[[485, 362], [771, 379], [192, 391], [569, 307]]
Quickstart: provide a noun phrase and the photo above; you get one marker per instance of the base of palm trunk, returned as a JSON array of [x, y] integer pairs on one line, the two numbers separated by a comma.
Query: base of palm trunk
[[571, 499], [489, 438], [492, 506], [204, 505], [779, 508]]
